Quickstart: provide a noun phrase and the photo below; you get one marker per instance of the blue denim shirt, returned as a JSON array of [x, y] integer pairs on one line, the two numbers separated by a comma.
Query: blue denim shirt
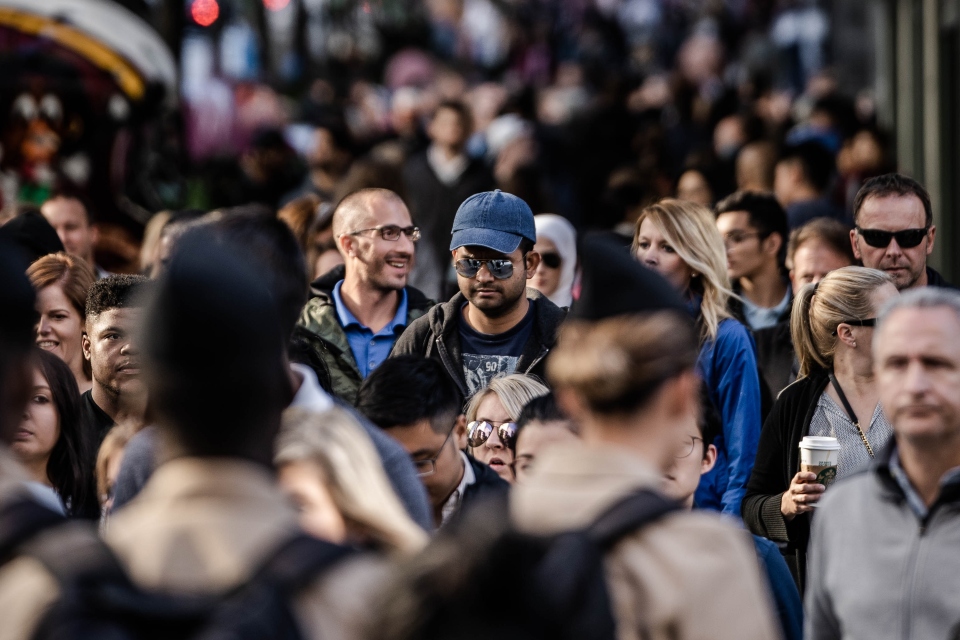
[[369, 348]]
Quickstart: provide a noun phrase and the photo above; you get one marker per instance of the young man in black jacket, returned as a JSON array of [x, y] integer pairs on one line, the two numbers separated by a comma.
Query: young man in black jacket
[[495, 325], [415, 401]]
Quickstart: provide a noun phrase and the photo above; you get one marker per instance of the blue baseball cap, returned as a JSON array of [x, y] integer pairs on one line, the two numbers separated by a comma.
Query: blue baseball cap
[[495, 220]]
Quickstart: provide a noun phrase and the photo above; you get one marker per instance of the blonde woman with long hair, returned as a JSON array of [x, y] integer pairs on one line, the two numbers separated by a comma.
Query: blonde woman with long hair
[[680, 241], [492, 415], [331, 471], [832, 327]]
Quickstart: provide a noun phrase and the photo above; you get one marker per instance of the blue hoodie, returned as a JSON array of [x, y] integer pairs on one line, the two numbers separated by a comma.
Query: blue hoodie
[[728, 367]]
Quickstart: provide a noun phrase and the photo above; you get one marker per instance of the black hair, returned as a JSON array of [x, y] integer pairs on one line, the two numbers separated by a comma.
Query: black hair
[[816, 161], [117, 291], [540, 409], [766, 216], [710, 422], [466, 119], [407, 389], [893, 184], [269, 243], [70, 466]]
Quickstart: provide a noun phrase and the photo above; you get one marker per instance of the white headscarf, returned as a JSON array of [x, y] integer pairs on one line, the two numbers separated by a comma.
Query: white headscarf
[[562, 234]]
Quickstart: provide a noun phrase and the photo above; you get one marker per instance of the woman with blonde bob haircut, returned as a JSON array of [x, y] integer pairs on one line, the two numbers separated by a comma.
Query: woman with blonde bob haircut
[[492, 415], [680, 241], [332, 472], [835, 396]]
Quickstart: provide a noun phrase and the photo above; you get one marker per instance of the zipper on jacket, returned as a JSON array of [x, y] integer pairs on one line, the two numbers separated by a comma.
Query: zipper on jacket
[[543, 354], [913, 566]]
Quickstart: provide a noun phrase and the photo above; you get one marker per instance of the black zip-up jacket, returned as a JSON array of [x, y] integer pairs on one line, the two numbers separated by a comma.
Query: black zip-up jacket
[[778, 460], [437, 335]]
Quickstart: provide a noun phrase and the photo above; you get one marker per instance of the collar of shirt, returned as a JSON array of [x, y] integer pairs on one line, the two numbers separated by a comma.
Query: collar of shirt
[[347, 319], [310, 395], [452, 505], [917, 505], [762, 317], [448, 171]]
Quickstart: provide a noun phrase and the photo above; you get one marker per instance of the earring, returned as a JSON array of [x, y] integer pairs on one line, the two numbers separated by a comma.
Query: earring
[[854, 345]]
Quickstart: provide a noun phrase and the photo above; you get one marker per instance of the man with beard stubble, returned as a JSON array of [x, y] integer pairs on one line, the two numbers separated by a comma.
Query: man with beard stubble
[[495, 325], [360, 308]]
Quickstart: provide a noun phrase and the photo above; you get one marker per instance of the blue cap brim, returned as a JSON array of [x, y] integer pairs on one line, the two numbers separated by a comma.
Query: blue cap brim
[[500, 241]]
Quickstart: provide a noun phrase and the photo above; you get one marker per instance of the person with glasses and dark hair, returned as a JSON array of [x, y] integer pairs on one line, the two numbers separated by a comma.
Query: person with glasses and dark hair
[[894, 230], [414, 400], [495, 325], [835, 396], [360, 308]]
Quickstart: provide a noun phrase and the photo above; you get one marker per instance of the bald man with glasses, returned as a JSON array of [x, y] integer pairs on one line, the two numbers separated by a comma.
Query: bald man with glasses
[[360, 308]]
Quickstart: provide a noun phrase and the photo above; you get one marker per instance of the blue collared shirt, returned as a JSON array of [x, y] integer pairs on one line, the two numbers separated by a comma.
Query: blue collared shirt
[[369, 348]]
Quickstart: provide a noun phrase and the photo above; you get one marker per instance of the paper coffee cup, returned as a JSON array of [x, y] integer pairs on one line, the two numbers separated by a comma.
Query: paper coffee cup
[[819, 455]]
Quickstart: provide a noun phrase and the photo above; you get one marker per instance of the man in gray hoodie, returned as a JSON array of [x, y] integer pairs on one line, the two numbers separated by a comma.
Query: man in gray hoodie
[[883, 560]]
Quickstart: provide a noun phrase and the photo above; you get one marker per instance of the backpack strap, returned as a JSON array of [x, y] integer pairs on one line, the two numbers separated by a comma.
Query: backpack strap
[[628, 515], [298, 560], [21, 520]]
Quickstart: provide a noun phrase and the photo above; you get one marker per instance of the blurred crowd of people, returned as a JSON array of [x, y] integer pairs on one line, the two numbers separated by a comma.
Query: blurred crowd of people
[[547, 320]]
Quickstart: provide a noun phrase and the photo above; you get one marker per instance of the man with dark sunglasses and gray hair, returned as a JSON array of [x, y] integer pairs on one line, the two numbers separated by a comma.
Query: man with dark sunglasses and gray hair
[[495, 325], [360, 308], [894, 230]]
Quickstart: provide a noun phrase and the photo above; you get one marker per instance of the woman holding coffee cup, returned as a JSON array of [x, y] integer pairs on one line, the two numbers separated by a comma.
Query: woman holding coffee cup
[[827, 424]]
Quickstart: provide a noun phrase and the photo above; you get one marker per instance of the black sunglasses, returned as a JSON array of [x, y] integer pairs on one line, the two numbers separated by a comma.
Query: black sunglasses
[[552, 260], [499, 268], [869, 322], [906, 239], [479, 432]]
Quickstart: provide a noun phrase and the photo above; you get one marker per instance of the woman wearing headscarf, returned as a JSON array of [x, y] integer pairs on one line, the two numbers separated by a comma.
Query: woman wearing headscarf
[[557, 246]]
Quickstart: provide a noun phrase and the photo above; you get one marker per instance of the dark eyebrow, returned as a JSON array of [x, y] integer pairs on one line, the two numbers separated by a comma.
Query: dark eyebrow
[[111, 329]]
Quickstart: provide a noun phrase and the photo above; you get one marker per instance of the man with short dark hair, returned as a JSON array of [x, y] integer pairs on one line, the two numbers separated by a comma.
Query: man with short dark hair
[[894, 230], [495, 325], [801, 181], [754, 230], [883, 561], [109, 342], [438, 180], [817, 248], [359, 309], [414, 400], [72, 221]]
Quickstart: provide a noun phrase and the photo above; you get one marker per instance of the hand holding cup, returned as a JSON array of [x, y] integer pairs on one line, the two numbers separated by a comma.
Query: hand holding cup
[[802, 496]]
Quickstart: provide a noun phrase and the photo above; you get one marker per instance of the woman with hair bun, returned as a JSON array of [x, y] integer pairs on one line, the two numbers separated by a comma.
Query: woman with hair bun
[[835, 395]]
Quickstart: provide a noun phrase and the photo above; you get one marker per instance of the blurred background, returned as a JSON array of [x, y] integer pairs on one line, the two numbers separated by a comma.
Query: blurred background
[[586, 108]]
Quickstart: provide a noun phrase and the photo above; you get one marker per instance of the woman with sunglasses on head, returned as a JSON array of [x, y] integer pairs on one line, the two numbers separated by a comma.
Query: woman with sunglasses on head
[[492, 415], [52, 446], [557, 246], [835, 395], [680, 241]]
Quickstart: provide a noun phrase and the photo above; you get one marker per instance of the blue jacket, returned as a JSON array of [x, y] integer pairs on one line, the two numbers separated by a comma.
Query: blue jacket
[[782, 588], [728, 367]]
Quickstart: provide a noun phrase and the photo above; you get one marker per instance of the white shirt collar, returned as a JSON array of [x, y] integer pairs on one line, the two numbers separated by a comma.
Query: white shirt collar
[[310, 395], [448, 171]]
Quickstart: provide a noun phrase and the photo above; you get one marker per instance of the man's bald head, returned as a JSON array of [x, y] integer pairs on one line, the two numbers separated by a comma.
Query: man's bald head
[[359, 210]]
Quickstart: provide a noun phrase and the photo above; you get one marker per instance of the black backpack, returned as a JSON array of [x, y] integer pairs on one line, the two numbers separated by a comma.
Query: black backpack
[[99, 601], [484, 579]]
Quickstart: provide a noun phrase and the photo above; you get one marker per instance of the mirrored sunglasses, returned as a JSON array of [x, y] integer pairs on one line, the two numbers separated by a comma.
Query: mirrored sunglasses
[[479, 432], [500, 269]]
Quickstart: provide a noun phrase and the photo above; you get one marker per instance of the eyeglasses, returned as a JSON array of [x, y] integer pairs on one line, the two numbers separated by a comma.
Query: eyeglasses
[[736, 237], [429, 467], [906, 239], [685, 449], [499, 268], [552, 260], [869, 322], [479, 432], [392, 232]]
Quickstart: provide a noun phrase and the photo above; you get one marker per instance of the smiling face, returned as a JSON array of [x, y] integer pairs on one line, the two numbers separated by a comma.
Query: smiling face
[[493, 452], [383, 265], [906, 266], [655, 252], [60, 329], [114, 357], [40, 426]]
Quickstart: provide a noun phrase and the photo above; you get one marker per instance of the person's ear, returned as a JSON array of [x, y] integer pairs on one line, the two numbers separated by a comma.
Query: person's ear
[[346, 245], [532, 263], [855, 244], [95, 233], [793, 280], [772, 243], [709, 459], [460, 432], [453, 257], [85, 345], [932, 236], [845, 335]]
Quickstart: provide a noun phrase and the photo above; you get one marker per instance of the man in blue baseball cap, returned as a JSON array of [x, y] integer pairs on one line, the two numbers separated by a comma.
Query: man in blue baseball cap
[[495, 325]]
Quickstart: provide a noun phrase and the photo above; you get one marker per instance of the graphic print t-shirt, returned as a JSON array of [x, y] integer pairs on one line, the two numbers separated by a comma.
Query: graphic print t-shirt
[[486, 356]]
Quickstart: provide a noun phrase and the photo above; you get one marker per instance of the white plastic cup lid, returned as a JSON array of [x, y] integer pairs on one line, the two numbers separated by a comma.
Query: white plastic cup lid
[[822, 443]]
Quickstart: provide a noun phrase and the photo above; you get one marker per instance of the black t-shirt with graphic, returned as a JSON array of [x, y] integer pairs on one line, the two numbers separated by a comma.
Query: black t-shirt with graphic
[[486, 356]]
